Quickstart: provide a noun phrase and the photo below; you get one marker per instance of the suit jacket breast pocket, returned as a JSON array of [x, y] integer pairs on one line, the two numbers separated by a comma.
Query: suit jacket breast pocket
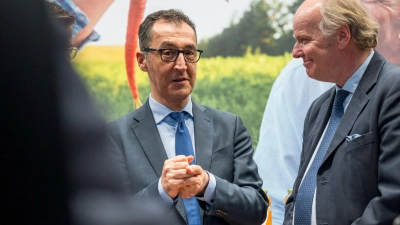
[[221, 153], [362, 154], [359, 142]]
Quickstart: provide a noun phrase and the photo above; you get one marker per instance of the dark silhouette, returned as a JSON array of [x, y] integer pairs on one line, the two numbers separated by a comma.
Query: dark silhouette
[[56, 167]]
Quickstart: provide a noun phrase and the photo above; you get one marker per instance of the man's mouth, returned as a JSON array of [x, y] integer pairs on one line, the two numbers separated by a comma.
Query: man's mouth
[[179, 80], [306, 62]]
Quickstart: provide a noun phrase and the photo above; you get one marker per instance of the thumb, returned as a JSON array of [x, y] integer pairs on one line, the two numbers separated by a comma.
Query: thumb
[[190, 158]]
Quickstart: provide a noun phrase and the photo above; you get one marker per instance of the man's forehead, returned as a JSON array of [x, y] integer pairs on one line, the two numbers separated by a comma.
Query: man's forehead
[[307, 20], [161, 27], [305, 32], [171, 35]]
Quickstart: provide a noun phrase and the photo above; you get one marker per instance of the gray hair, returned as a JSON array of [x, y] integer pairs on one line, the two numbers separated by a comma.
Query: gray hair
[[363, 27]]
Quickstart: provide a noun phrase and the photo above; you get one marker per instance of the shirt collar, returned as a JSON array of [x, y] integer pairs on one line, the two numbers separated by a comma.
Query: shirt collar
[[352, 83], [160, 111]]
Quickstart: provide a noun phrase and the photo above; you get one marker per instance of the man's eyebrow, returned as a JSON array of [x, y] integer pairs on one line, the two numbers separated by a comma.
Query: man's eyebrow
[[299, 35], [172, 45], [167, 45], [190, 46]]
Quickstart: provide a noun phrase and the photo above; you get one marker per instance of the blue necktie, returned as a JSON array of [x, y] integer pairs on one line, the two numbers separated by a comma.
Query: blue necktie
[[305, 195], [183, 146]]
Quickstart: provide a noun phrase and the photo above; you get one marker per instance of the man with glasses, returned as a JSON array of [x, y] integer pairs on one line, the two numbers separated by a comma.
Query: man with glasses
[[159, 150]]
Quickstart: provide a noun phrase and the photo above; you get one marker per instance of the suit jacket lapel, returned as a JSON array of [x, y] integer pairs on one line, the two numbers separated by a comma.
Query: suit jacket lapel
[[203, 127], [149, 139], [358, 102], [146, 131], [147, 134], [203, 131], [321, 122]]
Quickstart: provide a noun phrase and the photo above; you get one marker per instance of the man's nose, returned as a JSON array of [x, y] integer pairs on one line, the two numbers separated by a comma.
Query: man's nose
[[297, 51], [180, 62]]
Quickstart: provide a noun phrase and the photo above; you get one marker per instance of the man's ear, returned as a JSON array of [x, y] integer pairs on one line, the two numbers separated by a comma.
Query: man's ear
[[142, 61], [344, 36]]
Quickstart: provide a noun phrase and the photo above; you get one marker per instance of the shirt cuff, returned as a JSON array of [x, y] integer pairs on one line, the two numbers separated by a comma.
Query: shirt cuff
[[209, 194], [164, 196]]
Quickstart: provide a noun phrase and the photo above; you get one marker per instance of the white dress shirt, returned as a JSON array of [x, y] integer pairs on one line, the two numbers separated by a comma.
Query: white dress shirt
[[280, 142]]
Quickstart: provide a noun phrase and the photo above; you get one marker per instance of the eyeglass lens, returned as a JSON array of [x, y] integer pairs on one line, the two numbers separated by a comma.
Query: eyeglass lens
[[170, 55], [72, 51]]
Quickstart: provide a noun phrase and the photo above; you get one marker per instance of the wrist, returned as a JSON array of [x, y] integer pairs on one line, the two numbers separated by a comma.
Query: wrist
[[203, 190], [201, 193]]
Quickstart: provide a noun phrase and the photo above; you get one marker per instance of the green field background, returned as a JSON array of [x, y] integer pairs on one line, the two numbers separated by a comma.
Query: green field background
[[240, 85]]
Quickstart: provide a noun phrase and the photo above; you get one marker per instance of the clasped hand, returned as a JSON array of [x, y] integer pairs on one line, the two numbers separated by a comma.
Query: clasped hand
[[179, 177]]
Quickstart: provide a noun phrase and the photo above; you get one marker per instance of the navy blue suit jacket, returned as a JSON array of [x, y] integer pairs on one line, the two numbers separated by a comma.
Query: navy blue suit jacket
[[358, 181]]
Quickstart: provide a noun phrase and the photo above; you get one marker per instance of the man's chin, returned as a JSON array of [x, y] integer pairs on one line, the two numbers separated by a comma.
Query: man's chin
[[310, 74]]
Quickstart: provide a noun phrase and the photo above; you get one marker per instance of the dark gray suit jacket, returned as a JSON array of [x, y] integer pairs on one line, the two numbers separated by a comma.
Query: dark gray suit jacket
[[223, 147], [358, 182]]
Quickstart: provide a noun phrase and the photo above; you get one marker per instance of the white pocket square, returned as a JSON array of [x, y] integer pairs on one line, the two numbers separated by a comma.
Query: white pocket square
[[352, 137]]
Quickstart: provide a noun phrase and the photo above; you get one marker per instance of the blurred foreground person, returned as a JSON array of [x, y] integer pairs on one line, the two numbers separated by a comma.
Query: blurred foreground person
[[55, 165]]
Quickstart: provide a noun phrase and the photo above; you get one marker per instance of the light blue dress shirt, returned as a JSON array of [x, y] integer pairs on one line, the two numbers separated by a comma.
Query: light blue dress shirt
[[167, 134]]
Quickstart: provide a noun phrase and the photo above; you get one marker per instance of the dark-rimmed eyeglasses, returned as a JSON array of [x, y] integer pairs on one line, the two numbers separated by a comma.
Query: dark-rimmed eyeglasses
[[170, 55], [71, 52]]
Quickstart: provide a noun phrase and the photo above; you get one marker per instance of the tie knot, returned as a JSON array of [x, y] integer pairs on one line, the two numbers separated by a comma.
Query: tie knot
[[179, 117], [340, 97]]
